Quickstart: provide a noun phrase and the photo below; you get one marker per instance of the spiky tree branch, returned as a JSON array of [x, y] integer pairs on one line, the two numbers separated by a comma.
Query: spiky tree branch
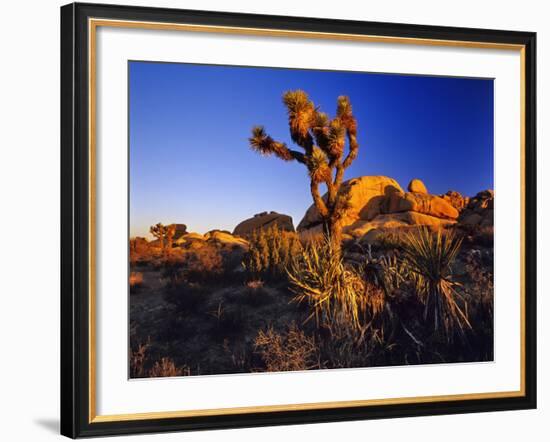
[[323, 141], [159, 231]]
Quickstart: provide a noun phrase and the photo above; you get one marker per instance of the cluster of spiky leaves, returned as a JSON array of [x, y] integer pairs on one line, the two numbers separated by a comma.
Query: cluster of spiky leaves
[[341, 300], [323, 142], [429, 256]]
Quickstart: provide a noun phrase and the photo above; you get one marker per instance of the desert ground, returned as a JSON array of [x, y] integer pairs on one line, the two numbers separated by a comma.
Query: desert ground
[[409, 281]]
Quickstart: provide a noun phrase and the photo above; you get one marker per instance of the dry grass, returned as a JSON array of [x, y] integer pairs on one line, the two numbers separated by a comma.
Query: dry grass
[[138, 359], [291, 351], [340, 298], [167, 368]]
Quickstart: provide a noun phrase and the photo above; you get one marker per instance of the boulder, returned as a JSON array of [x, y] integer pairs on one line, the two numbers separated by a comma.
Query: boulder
[[189, 239], [225, 239], [367, 194], [472, 219], [379, 204], [421, 203], [480, 210], [417, 186], [458, 201], [395, 221], [264, 220], [180, 230]]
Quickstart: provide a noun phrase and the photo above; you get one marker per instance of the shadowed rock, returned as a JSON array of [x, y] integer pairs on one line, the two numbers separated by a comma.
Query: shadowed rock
[[180, 230], [480, 210], [456, 199], [264, 220]]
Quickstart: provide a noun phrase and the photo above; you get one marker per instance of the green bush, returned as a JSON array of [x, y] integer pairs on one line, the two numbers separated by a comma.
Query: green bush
[[271, 251]]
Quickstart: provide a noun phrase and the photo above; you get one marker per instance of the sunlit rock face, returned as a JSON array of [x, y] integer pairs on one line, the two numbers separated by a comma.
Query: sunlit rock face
[[378, 204], [367, 195]]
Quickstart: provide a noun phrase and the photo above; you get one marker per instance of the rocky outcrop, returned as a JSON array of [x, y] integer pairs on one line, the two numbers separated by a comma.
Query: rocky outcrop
[[421, 203], [417, 186], [220, 238], [225, 239], [264, 220], [367, 196], [395, 220], [480, 210], [190, 240], [456, 199], [378, 203], [180, 230]]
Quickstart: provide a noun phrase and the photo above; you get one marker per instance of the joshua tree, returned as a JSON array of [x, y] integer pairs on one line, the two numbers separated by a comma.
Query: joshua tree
[[323, 143], [159, 231]]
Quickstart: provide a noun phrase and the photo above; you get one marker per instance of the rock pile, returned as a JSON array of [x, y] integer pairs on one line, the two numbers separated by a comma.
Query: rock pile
[[378, 203], [456, 199], [222, 238], [480, 210]]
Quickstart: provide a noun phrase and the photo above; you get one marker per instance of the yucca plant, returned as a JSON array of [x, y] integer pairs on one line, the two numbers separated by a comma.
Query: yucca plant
[[429, 256], [340, 298]]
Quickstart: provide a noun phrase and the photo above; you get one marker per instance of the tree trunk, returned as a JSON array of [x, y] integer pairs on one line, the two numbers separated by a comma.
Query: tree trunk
[[334, 231]]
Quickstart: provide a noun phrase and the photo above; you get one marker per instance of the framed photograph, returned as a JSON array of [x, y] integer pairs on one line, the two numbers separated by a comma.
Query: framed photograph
[[274, 220]]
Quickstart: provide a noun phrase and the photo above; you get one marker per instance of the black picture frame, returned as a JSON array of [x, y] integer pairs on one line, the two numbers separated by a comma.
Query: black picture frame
[[75, 220]]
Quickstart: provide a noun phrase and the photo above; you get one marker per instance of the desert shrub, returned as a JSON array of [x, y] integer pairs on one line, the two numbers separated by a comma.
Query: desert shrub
[[138, 359], [290, 351], [203, 263], [143, 364], [171, 265], [484, 236], [231, 321], [429, 257], [136, 281], [477, 235], [167, 368], [393, 274], [270, 252], [141, 251], [340, 299], [480, 288], [187, 297], [255, 294], [200, 264], [240, 356]]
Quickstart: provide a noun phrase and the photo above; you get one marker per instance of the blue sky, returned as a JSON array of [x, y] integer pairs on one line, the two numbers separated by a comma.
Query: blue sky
[[190, 161]]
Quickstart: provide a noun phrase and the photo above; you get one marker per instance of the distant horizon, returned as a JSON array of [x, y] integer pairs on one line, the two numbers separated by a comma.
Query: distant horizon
[[190, 162]]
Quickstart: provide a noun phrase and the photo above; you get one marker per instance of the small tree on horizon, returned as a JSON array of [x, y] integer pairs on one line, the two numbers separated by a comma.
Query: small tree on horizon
[[159, 231], [323, 143]]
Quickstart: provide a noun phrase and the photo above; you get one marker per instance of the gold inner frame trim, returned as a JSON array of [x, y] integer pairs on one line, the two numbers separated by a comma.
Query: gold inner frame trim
[[93, 24]]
